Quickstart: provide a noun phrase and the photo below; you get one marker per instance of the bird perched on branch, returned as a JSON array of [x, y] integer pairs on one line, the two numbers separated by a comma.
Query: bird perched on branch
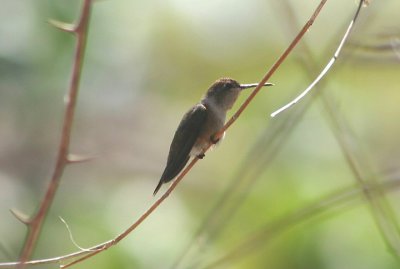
[[200, 124]]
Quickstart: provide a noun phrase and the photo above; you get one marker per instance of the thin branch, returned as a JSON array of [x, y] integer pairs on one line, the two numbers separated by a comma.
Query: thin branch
[[36, 222], [380, 208], [327, 67], [104, 246], [221, 212], [218, 215], [141, 219], [319, 206], [99, 248], [257, 160], [274, 67], [92, 253], [71, 237]]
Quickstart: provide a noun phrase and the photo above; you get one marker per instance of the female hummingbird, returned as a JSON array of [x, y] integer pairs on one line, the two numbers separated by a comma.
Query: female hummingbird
[[199, 125]]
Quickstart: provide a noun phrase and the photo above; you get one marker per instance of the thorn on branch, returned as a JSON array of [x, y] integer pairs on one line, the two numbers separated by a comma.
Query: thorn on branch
[[35, 225], [81, 31], [66, 27], [22, 217], [366, 3], [76, 158]]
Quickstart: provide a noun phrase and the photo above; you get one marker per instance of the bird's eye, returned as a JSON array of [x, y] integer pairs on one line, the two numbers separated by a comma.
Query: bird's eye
[[227, 86]]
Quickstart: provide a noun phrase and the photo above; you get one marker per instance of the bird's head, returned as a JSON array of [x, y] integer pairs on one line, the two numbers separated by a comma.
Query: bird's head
[[225, 91]]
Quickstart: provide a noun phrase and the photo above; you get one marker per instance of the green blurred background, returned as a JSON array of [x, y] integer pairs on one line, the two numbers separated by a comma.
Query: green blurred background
[[147, 62]]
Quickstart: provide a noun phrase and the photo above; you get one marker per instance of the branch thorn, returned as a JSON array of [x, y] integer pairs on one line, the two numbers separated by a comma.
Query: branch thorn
[[66, 27], [22, 217], [76, 158]]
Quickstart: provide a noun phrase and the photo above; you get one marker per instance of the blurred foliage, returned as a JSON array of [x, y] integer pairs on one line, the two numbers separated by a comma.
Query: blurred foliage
[[147, 62]]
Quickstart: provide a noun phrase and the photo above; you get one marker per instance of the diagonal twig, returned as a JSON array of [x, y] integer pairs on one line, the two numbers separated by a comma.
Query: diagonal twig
[[327, 67], [275, 66], [257, 160], [371, 189], [336, 199], [201, 242], [272, 70], [103, 246], [381, 209]]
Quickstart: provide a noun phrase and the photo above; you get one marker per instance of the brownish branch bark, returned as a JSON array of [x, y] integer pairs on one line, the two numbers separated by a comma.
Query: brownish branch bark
[[35, 223], [274, 67], [65, 143]]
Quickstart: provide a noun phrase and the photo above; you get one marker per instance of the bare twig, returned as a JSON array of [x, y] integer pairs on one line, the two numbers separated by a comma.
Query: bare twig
[[327, 67], [380, 207], [86, 253], [71, 237], [336, 199], [221, 212], [275, 66], [371, 189], [232, 119], [257, 160], [142, 217], [36, 221], [63, 161]]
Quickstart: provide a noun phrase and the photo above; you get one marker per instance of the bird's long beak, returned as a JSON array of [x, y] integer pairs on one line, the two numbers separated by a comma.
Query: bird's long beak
[[252, 85]]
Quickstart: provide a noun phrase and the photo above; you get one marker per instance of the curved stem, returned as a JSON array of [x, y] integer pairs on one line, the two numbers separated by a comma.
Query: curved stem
[[64, 145]]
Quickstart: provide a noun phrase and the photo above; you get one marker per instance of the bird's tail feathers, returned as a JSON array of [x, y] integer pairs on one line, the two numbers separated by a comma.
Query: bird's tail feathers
[[158, 187]]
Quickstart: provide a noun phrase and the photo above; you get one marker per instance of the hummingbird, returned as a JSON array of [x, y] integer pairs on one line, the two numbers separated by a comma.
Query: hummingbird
[[200, 124]]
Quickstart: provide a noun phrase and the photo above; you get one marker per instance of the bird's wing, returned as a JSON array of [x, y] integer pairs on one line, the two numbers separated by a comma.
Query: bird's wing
[[184, 139]]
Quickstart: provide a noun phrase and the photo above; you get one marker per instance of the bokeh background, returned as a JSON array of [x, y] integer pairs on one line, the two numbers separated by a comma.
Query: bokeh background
[[147, 62]]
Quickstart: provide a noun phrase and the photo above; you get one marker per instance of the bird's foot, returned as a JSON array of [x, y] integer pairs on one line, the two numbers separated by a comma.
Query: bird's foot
[[214, 139], [201, 156]]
